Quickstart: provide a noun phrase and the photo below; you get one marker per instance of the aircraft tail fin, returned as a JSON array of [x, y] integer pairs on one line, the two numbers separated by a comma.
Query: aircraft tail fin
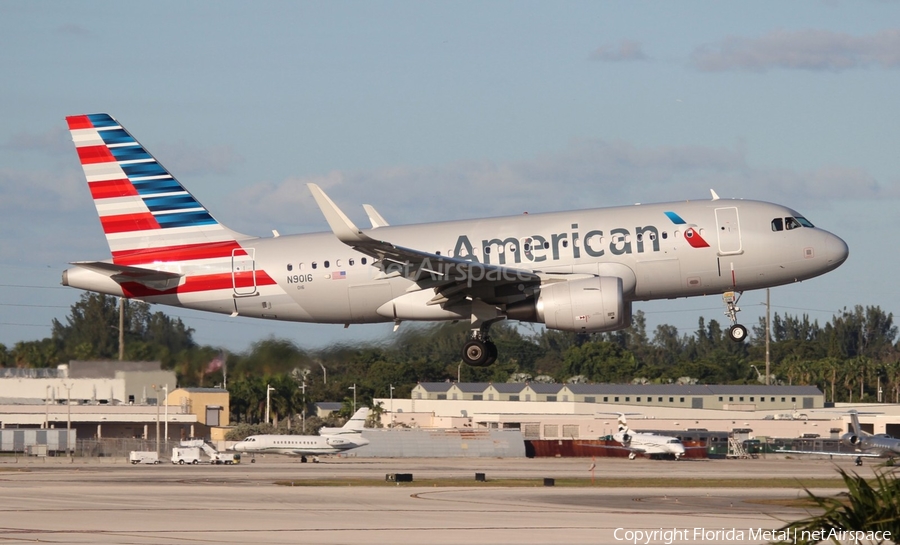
[[623, 424], [356, 424], [854, 425], [146, 214]]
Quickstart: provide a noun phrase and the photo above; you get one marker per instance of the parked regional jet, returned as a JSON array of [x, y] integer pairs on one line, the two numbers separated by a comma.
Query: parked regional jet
[[651, 444], [329, 440], [865, 444], [573, 271]]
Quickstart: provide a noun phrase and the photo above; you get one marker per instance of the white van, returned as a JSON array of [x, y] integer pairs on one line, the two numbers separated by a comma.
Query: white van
[[143, 457], [185, 455]]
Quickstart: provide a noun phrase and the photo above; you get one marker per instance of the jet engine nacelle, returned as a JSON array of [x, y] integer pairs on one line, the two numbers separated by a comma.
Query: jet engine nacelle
[[850, 440], [337, 441], [587, 305]]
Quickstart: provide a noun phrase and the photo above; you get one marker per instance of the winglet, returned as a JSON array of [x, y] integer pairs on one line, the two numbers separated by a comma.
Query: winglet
[[715, 196], [375, 217], [343, 228]]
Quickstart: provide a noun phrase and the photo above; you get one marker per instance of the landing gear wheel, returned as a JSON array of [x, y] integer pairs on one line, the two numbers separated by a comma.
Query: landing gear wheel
[[476, 353], [492, 353], [737, 333]]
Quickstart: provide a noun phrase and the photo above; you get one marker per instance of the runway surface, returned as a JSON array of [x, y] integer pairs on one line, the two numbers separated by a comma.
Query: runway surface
[[110, 501]]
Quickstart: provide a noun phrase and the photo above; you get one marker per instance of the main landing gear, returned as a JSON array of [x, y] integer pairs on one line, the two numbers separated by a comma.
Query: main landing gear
[[479, 351], [736, 332]]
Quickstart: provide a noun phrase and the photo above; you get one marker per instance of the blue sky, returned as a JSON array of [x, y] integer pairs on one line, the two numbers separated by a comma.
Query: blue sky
[[432, 110]]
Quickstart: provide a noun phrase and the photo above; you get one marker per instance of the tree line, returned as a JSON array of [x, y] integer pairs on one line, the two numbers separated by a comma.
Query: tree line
[[852, 357]]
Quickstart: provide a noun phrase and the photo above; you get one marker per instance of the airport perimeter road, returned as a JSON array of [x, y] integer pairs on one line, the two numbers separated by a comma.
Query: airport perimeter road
[[113, 502]]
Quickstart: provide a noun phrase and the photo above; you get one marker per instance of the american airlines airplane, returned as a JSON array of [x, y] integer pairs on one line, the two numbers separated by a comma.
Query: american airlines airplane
[[573, 271], [329, 440]]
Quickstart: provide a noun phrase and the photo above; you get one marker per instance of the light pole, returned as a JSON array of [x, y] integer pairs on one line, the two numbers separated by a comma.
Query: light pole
[[269, 390], [391, 386], [303, 408], [324, 373], [354, 397], [68, 418], [47, 409], [156, 389], [166, 401]]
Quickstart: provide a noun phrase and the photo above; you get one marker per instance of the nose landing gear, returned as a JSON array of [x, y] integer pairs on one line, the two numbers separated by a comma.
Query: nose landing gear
[[736, 332]]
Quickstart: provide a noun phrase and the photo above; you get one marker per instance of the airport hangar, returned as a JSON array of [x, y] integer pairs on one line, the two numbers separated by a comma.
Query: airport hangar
[[588, 411], [109, 399]]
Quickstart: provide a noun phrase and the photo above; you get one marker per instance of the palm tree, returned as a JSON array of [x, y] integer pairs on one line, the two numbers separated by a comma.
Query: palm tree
[[864, 508]]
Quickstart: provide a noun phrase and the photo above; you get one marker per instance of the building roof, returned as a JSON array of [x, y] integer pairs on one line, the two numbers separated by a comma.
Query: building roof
[[509, 387], [473, 387], [435, 387], [108, 368], [205, 390], [629, 389], [541, 388]]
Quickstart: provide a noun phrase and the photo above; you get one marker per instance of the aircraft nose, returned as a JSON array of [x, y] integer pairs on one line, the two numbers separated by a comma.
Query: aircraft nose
[[836, 250]]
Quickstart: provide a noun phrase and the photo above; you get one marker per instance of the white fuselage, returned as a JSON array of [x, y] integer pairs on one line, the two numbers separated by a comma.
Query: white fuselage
[[648, 443], [301, 445], [317, 278]]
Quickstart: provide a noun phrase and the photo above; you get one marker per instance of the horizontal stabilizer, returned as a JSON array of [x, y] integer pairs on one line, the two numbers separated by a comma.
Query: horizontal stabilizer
[[157, 280]]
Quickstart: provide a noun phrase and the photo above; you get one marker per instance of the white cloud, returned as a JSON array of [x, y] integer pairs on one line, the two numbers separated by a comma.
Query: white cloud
[[800, 50], [627, 50], [589, 173]]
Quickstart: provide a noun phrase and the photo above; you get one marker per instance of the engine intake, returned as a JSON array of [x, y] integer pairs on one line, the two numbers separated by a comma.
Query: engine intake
[[587, 305], [850, 440]]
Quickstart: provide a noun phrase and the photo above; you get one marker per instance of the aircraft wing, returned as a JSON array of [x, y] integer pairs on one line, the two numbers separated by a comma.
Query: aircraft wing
[[827, 453], [157, 280], [455, 279], [616, 447]]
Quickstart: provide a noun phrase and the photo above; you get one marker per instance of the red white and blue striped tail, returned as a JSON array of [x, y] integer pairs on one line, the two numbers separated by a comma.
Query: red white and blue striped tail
[[146, 214]]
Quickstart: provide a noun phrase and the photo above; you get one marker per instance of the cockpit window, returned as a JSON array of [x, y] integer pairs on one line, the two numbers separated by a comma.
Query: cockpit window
[[780, 224]]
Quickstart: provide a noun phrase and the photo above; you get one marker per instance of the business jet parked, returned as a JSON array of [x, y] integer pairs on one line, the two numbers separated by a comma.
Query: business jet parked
[[573, 271], [651, 444], [329, 440], [865, 445]]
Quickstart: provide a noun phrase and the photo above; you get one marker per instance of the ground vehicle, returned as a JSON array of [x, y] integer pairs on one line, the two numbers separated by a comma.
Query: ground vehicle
[[226, 458], [143, 457], [185, 455]]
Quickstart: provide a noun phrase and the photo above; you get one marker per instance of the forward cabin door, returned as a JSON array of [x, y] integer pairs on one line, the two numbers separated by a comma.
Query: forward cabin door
[[729, 231]]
